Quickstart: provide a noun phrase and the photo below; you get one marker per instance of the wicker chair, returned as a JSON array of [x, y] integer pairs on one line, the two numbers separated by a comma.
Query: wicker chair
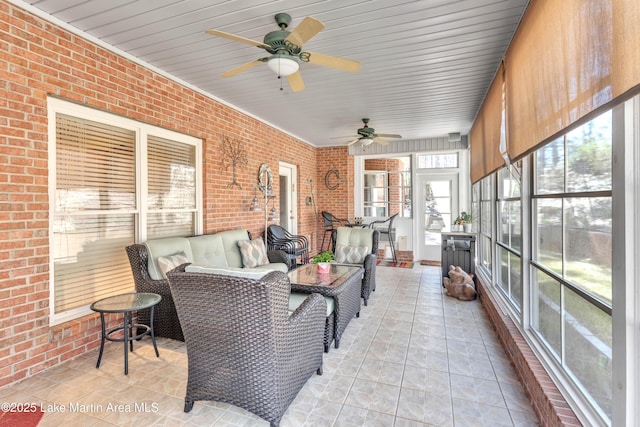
[[349, 236], [165, 319], [295, 246], [243, 346]]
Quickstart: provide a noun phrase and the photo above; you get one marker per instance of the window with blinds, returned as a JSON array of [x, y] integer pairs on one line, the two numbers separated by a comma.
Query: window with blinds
[[94, 211], [171, 198], [98, 182]]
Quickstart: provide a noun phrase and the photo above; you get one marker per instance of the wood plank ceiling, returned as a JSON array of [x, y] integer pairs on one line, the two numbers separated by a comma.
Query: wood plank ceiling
[[425, 65]]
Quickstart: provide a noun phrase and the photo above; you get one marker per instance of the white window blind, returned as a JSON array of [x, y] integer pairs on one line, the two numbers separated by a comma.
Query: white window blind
[[93, 217], [171, 198]]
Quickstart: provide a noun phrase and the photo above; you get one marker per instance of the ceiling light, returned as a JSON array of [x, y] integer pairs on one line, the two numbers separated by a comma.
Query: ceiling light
[[282, 65], [366, 141]]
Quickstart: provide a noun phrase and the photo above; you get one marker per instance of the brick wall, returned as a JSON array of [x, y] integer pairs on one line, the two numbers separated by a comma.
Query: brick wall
[[38, 59]]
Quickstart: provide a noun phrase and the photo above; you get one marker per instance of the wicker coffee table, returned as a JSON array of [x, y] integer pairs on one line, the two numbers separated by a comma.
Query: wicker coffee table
[[343, 283]]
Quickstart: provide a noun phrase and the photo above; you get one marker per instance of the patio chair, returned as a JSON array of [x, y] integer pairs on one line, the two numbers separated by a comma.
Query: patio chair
[[331, 222], [385, 227], [165, 319], [243, 346], [295, 246], [358, 246]]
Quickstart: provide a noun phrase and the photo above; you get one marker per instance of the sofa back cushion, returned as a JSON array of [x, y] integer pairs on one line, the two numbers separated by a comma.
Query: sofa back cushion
[[354, 236], [165, 247], [219, 249]]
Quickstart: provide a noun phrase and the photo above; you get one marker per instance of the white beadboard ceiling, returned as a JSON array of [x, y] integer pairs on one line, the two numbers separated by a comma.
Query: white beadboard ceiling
[[425, 65]]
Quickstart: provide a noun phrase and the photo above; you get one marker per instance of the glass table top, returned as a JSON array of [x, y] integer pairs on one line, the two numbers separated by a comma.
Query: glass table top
[[126, 302]]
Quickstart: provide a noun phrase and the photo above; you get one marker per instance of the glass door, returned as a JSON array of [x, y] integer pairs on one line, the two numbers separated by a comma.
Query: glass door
[[438, 200]]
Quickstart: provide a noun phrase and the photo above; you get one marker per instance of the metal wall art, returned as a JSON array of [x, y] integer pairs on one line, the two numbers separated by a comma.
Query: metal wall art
[[330, 182], [233, 155]]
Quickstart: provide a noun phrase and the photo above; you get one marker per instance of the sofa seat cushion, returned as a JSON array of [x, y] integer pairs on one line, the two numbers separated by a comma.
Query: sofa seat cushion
[[296, 298], [277, 266], [165, 247], [246, 273], [254, 253]]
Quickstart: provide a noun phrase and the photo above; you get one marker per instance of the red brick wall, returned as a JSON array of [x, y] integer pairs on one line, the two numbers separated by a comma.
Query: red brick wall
[[339, 201], [38, 59]]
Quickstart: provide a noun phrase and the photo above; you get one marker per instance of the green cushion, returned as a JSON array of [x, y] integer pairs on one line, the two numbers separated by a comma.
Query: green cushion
[[247, 273], [296, 298]]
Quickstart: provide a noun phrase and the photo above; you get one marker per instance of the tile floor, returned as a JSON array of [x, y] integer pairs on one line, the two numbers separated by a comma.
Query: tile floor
[[414, 357]]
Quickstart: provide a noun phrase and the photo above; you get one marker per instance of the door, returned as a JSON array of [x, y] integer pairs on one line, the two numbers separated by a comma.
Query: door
[[437, 200], [288, 197]]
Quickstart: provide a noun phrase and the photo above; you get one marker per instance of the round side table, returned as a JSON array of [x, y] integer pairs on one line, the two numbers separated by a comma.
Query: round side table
[[126, 304]]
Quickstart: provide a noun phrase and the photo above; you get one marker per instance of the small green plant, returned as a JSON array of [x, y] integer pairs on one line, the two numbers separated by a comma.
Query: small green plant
[[463, 218], [326, 256]]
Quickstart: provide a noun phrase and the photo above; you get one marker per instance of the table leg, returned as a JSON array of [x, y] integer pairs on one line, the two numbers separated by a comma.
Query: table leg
[[129, 332], [153, 335], [125, 338], [101, 340]]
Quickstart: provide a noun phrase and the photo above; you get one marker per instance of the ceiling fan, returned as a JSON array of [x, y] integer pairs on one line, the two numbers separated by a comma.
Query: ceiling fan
[[286, 52], [367, 135]]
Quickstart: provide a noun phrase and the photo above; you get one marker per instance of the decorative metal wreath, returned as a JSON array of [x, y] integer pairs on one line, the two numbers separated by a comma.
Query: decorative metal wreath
[[327, 179], [265, 179]]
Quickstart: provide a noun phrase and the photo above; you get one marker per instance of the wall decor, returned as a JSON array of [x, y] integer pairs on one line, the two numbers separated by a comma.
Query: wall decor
[[233, 155], [265, 184], [331, 182]]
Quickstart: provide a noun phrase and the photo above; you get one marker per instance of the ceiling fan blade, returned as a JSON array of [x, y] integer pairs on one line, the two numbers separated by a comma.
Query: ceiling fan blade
[[381, 141], [236, 38], [346, 136], [308, 28], [295, 81], [240, 69], [352, 142], [334, 62], [389, 135]]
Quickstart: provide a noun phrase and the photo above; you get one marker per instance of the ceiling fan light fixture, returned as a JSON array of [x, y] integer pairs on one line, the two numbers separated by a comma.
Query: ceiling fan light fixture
[[282, 65], [366, 141]]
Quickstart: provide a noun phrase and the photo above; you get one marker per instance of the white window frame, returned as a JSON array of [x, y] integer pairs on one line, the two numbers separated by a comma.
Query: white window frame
[[58, 106]]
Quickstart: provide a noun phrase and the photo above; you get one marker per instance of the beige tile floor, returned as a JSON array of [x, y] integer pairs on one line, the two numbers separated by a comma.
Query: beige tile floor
[[414, 357]]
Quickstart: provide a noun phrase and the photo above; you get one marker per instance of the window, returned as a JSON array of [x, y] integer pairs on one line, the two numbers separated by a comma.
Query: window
[[571, 256], [483, 190], [509, 234], [101, 163], [437, 161], [387, 187]]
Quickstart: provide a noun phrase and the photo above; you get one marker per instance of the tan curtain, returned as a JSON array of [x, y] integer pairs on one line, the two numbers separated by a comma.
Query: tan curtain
[[567, 59], [484, 137]]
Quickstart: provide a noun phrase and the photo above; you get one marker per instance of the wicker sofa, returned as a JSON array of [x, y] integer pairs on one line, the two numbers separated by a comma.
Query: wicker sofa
[[219, 250], [244, 347]]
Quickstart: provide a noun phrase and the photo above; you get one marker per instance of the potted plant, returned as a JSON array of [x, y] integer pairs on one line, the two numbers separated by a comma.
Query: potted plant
[[464, 221], [323, 259]]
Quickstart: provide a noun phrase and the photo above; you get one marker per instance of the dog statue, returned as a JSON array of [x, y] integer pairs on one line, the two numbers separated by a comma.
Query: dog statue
[[459, 284]]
